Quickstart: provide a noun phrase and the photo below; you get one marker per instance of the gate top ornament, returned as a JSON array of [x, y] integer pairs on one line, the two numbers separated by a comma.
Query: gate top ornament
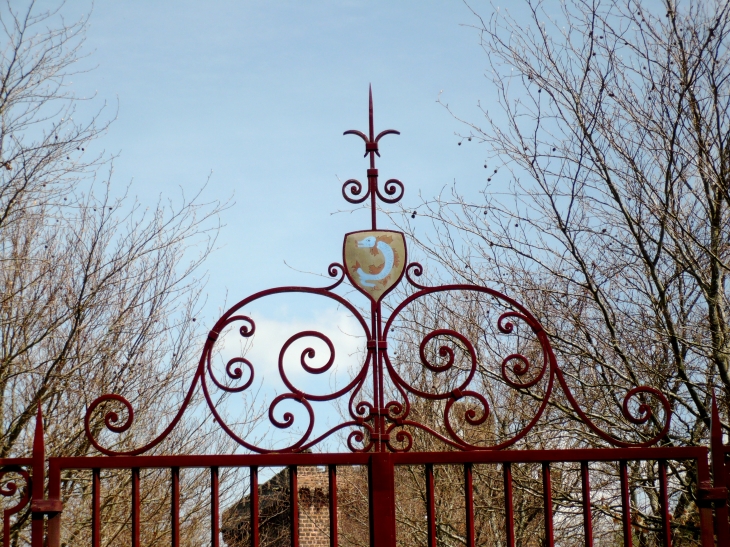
[[381, 415]]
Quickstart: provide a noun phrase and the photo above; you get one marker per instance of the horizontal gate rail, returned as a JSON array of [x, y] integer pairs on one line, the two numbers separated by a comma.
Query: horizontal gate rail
[[576, 455], [382, 486]]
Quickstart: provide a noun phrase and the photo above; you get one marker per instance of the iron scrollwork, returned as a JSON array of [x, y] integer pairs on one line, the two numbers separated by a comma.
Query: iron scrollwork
[[380, 413], [10, 489]]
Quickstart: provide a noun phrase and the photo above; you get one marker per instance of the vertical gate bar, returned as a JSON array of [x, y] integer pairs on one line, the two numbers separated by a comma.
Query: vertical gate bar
[[54, 493], [430, 506], [727, 473], [717, 454], [214, 509], [707, 532], [333, 504], [6, 529], [38, 479], [626, 503], [372, 182], [509, 504], [254, 478], [175, 506], [664, 499], [135, 507], [96, 508], [587, 513], [294, 504], [381, 487], [547, 494], [469, 503]]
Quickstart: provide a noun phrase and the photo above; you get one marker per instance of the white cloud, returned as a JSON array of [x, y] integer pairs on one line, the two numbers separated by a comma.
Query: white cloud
[[262, 350]]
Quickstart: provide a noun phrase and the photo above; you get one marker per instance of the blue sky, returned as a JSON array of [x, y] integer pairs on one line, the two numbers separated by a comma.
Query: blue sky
[[258, 93]]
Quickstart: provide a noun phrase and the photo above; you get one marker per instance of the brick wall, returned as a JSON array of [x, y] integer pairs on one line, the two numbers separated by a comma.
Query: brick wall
[[314, 515], [313, 502]]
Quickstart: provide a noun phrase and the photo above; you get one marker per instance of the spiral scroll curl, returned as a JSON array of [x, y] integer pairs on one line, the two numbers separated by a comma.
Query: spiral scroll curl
[[394, 190], [234, 374], [111, 417], [448, 353], [308, 353], [335, 270], [395, 410], [506, 327], [521, 367], [351, 190], [247, 330], [363, 410], [644, 412], [470, 414], [414, 268], [233, 370], [358, 436], [10, 488], [402, 436], [288, 418]]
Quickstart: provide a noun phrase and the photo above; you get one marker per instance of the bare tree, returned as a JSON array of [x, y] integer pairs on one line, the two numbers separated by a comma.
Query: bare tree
[[98, 293], [606, 205]]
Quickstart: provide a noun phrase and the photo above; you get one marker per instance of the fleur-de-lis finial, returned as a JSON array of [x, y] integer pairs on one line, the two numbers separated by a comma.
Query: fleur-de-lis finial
[[371, 147]]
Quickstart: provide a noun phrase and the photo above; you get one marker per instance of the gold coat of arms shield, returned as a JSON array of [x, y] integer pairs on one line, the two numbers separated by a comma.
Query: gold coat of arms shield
[[374, 261]]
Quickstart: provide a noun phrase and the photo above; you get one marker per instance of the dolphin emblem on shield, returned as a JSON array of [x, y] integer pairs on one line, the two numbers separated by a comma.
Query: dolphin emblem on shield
[[375, 261]]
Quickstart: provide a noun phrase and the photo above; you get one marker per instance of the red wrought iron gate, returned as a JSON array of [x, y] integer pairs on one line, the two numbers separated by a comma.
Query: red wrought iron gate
[[382, 425]]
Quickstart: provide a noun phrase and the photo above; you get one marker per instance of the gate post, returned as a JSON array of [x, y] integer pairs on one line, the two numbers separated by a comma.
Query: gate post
[[717, 454], [39, 482], [381, 481], [40, 506]]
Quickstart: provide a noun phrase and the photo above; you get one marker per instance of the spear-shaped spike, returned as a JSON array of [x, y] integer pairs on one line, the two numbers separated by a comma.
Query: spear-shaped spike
[[715, 425], [39, 445], [39, 462], [372, 131]]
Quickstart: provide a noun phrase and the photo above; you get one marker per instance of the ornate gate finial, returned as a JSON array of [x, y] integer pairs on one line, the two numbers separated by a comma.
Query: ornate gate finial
[[393, 187]]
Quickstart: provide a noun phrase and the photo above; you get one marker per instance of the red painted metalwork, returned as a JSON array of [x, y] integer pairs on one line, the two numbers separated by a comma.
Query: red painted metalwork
[[381, 479], [254, 502], [376, 423], [10, 489], [96, 508], [293, 506], [547, 496], [214, 509], [509, 506], [39, 469], [430, 506], [469, 503], [332, 470], [626, 504], [719, 486], [175, 506], [664, 501], [381, 472], [379, 422], [136, 502], [587, 513]]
